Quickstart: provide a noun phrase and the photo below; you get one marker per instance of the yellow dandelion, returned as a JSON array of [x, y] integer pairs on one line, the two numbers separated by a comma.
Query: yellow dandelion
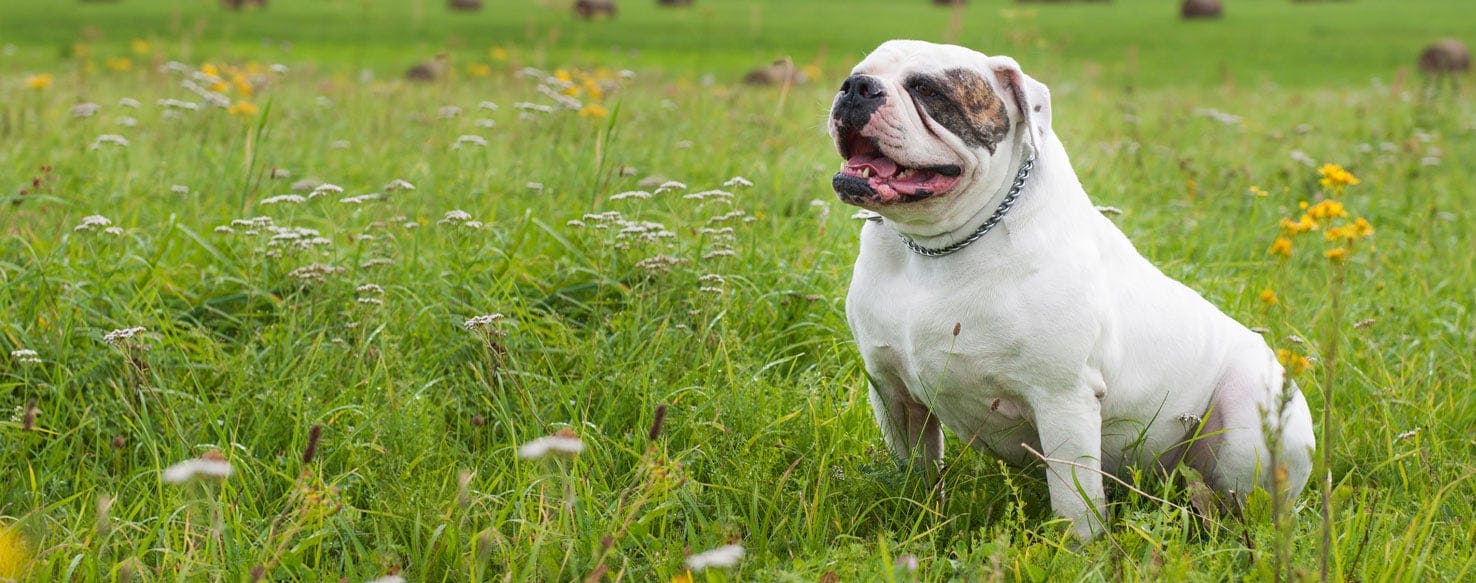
[[563, 75], [1269, 298], [594, 110], [1336, 178], [1294, 363], [15, 554], [141, 46], [498, 53], [210, 69], [120, 64], [243, 108], [1336, 254], [1258, 191], [1281, 246], [39, 81], [479, 70]]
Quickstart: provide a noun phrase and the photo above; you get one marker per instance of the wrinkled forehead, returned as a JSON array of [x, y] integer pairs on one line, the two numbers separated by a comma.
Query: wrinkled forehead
[[896, 60]]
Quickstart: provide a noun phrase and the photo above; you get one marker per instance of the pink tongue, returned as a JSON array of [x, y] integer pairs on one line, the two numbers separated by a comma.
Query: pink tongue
[[881, 165]]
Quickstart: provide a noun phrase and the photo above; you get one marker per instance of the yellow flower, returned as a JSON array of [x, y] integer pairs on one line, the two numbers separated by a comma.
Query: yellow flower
[[210, 69], [594, 110], [243, 108], [1336, 178], [1302, 225], [498, 53], [1269, 298], [14, 555], [1281, 246], [593, 89], [120, 63], [1361, 228], [571, 91], [140, 46], [39, 81], [479, 70], [563, 75], [1336, 253], [1327, 209], [682, 577], [1258, 191], [1295, 363]]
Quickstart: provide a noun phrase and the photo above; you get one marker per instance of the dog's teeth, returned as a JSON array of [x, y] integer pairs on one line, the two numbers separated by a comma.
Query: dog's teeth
[[906, 174], [866, 172]]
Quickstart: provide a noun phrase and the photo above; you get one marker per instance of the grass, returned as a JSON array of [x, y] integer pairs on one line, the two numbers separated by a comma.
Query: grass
[[767, 438]]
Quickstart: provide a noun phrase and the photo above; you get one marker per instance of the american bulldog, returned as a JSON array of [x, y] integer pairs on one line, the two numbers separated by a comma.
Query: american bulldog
[[992, 298]]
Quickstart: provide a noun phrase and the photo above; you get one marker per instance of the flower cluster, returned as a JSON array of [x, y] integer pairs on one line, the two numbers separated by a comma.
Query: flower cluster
[[1328, 215]]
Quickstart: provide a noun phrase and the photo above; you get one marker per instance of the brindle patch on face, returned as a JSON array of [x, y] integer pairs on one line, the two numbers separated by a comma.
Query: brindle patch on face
[[964, 103]]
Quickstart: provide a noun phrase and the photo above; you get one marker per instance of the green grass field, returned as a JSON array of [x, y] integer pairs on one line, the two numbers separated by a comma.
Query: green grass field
[[346, 310]]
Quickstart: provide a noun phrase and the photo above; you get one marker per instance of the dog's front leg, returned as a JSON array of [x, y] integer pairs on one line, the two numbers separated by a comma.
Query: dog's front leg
[[1070, 426], [910, 429]]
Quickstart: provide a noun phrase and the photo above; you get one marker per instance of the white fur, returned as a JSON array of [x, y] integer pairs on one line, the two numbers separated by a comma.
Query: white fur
[[1069, 340]]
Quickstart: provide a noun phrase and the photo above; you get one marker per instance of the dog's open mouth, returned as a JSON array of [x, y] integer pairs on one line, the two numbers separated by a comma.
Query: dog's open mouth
[[868, 175]]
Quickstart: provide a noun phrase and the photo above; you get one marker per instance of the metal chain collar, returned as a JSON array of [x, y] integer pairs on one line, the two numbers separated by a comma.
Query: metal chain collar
[[994, 219]]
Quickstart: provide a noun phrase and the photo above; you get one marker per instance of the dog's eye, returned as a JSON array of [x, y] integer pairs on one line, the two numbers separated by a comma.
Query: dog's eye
[[923, 89]]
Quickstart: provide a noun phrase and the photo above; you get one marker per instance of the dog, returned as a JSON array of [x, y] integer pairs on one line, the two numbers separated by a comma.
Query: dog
[[990, 297]]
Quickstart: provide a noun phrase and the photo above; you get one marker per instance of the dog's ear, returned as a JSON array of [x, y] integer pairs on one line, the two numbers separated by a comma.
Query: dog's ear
[[1030, 98]]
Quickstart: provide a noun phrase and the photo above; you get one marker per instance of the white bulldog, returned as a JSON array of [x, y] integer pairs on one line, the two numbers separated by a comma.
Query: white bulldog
[[991, 297]]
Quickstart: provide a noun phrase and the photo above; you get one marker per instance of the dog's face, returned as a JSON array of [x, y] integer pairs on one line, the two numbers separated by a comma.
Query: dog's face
[[923, 126]]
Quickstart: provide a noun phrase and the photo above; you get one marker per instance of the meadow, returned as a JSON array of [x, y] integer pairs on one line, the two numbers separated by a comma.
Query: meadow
[[243, 239]]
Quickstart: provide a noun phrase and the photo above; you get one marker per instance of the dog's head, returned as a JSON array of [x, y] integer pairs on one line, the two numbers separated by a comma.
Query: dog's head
[[929, 131]]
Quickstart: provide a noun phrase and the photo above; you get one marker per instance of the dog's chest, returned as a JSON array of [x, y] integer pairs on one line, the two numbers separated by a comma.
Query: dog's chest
[[951, 345]]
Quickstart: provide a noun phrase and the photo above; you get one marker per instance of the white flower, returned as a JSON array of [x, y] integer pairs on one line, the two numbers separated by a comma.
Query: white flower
[[85, 109], [487, 105], [287, 198], [1302, 157], [179, 189], [526, 106], [191, 469], [487, 124], [738, 181], [670, 185], [1407, 434], [577, 224], [126, 121], [370, 288], [535, 186], [338, 144], [388, 579], [706, 194], [280, 173], [684, 144], [373, 301], [552, 444], [631, 194], [92, 222], [315, 272], [25, 356], [114, 139], [469, 139], [128, 102], [472, 225], [721, 557], [224, 230], [360, 199], [448, 112], [376, 262], [115, 231], [278, 68], [325, 188], [710, 289], [120, 336], [482, 321], [712, 278], [177, 104], [398, 184], [456, 216], [1217, 115], [720, 253]]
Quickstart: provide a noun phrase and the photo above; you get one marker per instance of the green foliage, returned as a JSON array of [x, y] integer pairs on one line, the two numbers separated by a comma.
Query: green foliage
[[768, 439]]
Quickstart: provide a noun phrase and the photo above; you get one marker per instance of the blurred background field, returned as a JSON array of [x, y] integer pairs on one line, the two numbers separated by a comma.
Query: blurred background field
[[228, 181]]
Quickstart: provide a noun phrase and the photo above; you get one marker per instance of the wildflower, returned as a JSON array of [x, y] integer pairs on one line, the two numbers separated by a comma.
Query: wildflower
[[659, 263], [92, 222], [577, 224], [1302, 225], [706, 194], [120, 64], [486, 124], [338, 145], [1336, 178], [721, 557], [85, 109], [479, 70], [448, 112], [487, 105], [455, 217], [376, 262], [115, 231], [25, 356], [212, 465], [243, 108], [139, 46], [287, 198], [1407, 434], [114, 139], [631, 194], [1336, 254], [360, 199], [712, 278], [1302, 157], [720, 253], [738, 181], [907, 563], [670, 185], [177, 104], [324, 189], [39, 81], [370, 288], [1327, 209], [1258, 191], [710, 289], [225, 230], [1269, 298], [117, 337], [1295, 364], [1281, 246], [370, 301], [126, 121], [398, 184], [315, 272], [498, 53], [128, 102], [594, 110], [470, 139], [564, 442], [482, 322]]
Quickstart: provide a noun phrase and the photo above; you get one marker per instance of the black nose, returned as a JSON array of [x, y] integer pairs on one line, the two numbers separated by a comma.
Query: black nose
[[859, 96]]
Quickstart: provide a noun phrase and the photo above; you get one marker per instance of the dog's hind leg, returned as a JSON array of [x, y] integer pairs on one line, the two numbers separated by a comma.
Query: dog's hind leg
[[1250, 412]]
